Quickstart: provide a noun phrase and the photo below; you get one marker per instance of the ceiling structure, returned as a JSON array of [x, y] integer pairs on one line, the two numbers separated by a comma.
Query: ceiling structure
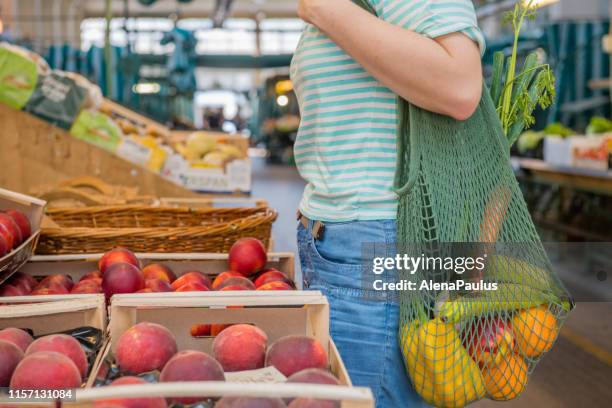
[[196, 9]]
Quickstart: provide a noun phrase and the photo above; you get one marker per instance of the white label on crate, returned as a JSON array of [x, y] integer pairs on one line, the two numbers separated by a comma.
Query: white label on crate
[[237, 178], [268, 375], [134, 152]]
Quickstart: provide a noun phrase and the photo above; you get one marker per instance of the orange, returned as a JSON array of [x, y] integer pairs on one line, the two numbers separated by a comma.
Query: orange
[[507, 379], [535, 331]]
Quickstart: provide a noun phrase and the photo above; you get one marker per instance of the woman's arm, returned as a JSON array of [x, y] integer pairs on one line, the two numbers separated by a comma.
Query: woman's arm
[[443, 75]]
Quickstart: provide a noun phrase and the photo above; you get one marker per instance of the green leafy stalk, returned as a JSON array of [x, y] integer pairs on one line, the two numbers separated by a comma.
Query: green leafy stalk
[[517, 95]]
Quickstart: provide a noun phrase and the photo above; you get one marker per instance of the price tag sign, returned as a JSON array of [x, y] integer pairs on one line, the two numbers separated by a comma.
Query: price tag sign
[[134, 152], [269, 375]]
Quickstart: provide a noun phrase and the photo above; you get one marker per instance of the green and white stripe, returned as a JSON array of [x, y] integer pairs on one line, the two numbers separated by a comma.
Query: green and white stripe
[[346, 145]]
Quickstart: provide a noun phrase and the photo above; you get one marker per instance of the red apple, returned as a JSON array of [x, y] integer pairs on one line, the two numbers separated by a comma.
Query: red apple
[[5, 248], [122, 278], [247, 256], [488, 340], [117, 255], [158, 285], [22, 222], [159, 271], [8, 223], [223, 276], [193, 276]]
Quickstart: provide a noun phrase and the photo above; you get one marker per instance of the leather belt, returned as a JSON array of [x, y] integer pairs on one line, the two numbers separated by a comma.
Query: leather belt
[[318, 228]]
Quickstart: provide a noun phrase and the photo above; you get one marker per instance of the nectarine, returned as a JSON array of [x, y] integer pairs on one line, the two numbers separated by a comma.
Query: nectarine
[[313, 403], [142, 402], [193, 287], [271, 275], [236, 281], [240, 347], [51, 289], [63, 344], [189, 277], [159, 271], [191, 365], [87, 286], [22, 222], [18, 337], [122, 278], [8, 223], [222, 277], [63, 280], [10, 356], [145, 347], [247, 256], [291, 354], [91, 275], [117, 255], [250, 402], [275, 285], [47, 370], [158, 285]]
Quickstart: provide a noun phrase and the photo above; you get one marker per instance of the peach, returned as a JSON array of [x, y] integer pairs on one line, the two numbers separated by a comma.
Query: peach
[[117, 255], [313, 403], [247, 256], [291, 354], [250, 402], [18, 337], [191, 365], [193, 287], [63, 344], [143, 402], [87, 286], [91, 275], [24, 281], [237, 281], [51, 289], [63, 280], [240, 347], [8, 223], [313, 376], [46, 370], [271, 275], [158, 285], [23, 223], [122, 278], [275, 285], [193, 276], [145, 347], [10, 356], [159, 271], [222, 277], [145, 290], [11, 290], [233, 287], [200, 330]]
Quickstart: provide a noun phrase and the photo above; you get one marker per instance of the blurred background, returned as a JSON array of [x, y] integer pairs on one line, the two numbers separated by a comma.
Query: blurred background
[[174, 73]]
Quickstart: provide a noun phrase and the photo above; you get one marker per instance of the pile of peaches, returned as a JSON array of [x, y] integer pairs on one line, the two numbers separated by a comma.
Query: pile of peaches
[[119, 271], [15, 229]]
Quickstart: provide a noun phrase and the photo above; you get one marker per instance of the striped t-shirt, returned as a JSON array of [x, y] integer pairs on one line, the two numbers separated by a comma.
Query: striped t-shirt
[[346, 144]]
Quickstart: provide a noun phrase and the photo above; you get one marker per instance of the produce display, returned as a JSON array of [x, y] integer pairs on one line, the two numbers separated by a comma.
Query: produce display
[[119, 271], [54, 361], [148, 352], [15, 228]]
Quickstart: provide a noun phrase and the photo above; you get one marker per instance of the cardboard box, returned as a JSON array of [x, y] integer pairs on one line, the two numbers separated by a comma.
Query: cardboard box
[[574, 152], [34, 209], [212, 264], [280, 314], [53, 314]]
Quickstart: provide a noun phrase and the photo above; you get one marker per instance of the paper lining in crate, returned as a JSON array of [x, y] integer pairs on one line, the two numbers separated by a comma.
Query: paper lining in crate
[[82, 316], [277, 314], [145, 228], [78, 265], [33, 208]]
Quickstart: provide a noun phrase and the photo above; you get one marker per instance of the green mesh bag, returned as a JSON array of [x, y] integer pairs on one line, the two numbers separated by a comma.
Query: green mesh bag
[[461, 339]]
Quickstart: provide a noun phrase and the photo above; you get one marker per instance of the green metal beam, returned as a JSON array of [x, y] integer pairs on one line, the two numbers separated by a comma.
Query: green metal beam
[[228, 61]]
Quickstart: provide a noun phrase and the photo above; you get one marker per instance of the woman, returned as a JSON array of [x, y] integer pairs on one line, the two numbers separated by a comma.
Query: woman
[[347, 70]]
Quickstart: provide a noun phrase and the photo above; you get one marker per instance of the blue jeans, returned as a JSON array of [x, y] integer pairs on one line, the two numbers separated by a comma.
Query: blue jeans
[[364, 328]]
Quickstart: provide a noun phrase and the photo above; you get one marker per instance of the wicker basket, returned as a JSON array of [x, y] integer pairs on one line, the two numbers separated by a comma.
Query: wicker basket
[[153, 229]]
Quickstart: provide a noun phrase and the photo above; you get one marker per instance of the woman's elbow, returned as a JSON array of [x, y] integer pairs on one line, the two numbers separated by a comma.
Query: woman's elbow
[[464, 102]]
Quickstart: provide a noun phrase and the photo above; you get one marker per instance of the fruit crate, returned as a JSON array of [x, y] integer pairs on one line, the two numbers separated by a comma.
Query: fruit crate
[[33, 208], [144, 228], [278, 315], [78, 265], [53, 314]]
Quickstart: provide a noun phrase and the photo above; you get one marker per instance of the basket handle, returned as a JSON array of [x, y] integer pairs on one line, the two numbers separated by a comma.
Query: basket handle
[[65, 193], [90, 182]]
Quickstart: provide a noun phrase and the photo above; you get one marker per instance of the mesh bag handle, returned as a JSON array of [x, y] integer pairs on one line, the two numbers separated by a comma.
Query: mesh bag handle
[[458, 195]]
